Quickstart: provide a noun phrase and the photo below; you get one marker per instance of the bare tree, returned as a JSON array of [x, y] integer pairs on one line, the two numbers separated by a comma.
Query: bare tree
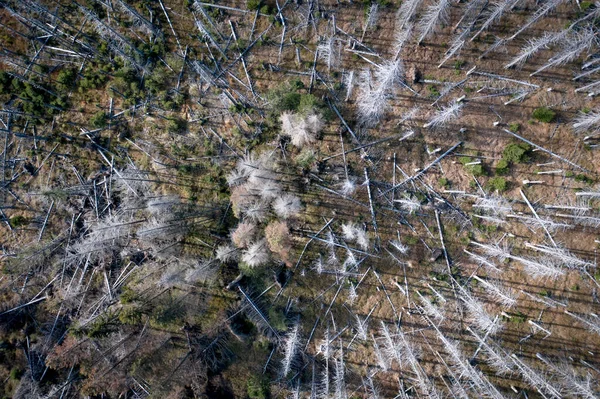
[[498, 293], [370, 18], [138, 20], [539, 13], [201, 272], [542, 267], [227, 253], [562, 256], [445, 115], [478, 315], [173, 275], [409, 204], [339, 379], [401, 37], [379, 356], [353, 233], [572, 383], [330, 50], [572, 47], [254, 185], [348, 186], [483, 261], [429, 308], [244, 234], [498, 9], [436, 14], [533, 46], [537, 381], [301, 129], [496, 357], [258, 317], [287, 205], [391, 350], [494, 205], [256, 254], [456, 358], [398, 246], [348, 80], [407, 11], [591, 323], [291, 345], [375, 91], [588, 123]]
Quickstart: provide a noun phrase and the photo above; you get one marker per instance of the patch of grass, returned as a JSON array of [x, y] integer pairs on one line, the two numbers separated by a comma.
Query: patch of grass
[[102, 327], [258, 387], [277, 319], [306, 159], [585, 5], [308, 103], [18, 221], [584, 179], [544, 114], [99, 120], [284, 100], [131, 316], [253, 5], [421, 197], [443, 182], [411, 240], [128, 295], [249, 271], [56, 194], [286, 97], [438, 276], [465, 160], [238, 108], [518, 318], [267, 9], [177, 125], [514, 127], [168, 315], [490, 228], [464, 240], [575, 287], [433, 91], [16, 374]]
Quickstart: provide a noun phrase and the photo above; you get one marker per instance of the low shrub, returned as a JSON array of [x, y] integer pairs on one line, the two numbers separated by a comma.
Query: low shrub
[[497, 184], [502, 167], [516, 153], [258, 387], [544, 114]]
